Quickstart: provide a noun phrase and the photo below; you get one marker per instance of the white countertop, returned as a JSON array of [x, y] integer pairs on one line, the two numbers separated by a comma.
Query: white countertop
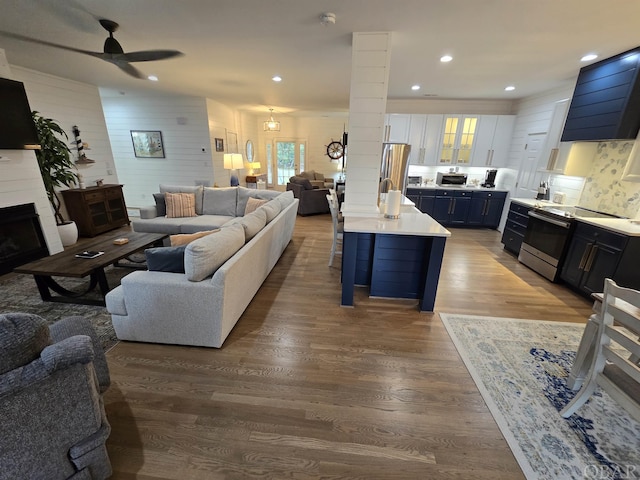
[[419, 224], [618, 225]]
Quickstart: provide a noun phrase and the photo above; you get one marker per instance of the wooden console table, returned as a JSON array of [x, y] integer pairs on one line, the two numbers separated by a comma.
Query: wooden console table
[[96, 209]]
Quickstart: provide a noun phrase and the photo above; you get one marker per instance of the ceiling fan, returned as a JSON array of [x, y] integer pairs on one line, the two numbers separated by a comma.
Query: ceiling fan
[[112, 51]]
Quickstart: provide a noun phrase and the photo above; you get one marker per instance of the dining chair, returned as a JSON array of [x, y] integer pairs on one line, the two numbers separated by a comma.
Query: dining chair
[[614, 366], [337, 229]]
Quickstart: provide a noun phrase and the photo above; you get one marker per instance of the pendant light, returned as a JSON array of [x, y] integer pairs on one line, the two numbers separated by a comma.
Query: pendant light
[[271, 125]]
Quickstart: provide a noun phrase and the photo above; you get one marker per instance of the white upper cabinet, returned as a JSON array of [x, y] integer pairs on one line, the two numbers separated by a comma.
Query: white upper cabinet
[[396, 127], [457, 139], [493, 140], [424, 137]]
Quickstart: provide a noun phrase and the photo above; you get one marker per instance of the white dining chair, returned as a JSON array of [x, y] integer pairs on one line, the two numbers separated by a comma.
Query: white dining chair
[[337, 228], [614, 366]]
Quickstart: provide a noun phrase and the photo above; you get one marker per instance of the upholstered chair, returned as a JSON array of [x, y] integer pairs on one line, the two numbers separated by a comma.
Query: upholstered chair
[[317, 179], [311, 200], [52, 419]]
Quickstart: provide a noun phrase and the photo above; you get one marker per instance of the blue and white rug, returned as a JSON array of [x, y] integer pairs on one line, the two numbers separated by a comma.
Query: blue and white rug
[[520, 368]]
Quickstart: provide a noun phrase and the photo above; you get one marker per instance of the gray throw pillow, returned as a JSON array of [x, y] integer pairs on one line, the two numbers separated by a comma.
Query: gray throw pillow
[[165, 259], [161, 205]]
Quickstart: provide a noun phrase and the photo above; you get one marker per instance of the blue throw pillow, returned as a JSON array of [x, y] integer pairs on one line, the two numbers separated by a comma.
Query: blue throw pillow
[[161, 205], [165, 259]]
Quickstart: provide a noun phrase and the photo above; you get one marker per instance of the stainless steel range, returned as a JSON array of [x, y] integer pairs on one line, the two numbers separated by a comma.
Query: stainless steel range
[[547, 237]]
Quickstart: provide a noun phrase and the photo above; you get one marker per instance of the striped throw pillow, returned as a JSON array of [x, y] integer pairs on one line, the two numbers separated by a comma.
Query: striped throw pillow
[[180, 205]]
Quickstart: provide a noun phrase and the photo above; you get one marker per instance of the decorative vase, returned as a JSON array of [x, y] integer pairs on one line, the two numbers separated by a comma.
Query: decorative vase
[[68, 232]]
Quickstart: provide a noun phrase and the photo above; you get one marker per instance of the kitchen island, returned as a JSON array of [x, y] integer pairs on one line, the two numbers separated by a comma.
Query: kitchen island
[[396, 258]]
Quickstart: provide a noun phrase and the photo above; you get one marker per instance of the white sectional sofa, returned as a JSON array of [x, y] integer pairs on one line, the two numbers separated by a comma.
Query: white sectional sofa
[[223, 272]]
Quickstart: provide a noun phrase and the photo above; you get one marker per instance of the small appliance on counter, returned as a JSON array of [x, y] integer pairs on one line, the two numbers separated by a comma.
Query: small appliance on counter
[[543, 191], [451, 179], [490, 179], [414, 181]]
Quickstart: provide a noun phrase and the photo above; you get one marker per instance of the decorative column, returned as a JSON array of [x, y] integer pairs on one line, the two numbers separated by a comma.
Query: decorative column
[[371, 55]]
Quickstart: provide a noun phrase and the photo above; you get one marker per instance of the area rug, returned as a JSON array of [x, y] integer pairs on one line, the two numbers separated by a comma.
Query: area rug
[[520, 368], [18, 293]]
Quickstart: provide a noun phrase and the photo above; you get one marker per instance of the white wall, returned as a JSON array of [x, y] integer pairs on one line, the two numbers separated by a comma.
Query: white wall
[[183, 123], [70, 103]]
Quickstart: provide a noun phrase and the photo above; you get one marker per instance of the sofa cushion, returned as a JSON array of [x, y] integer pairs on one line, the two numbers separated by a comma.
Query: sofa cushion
[[245, 193], [253, 204], [204, 256], [271, 209], [253, 223], [285, 199], [166, 259], [161, 206], [160, 225], [185, 238], [202, 222], [196, 190], [219, 201], [318, 176], [22, 337], [303, 182], [309, 175], [180, 205]]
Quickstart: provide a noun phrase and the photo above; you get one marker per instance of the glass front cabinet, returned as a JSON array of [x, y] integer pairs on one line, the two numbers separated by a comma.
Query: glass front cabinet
[[458, 135]]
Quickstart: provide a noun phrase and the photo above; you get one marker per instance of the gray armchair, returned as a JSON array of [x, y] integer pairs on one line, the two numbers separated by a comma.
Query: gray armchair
[[53, 424], [311, 200]]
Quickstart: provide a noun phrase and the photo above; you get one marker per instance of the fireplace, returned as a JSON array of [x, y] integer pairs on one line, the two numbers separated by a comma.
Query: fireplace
[[21, 238]]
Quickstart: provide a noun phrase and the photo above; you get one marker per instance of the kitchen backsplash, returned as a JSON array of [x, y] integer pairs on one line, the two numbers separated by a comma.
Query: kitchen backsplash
[[603, 189]]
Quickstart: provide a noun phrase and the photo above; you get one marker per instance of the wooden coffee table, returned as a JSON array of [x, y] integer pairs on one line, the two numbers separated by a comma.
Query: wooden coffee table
[[65, 264]]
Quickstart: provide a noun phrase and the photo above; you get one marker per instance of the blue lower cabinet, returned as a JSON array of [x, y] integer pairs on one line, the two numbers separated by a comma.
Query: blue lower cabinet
[[399, 266], [486, 209]]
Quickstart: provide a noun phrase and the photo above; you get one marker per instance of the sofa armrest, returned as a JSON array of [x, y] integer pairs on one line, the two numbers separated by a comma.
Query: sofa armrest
[[148, 212], [317, 183]]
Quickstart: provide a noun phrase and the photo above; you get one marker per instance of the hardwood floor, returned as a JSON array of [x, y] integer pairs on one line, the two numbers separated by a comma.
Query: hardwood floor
[[306, 389]]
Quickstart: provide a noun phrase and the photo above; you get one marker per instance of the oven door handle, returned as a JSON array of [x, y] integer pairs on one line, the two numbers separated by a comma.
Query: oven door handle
[[558, 223]]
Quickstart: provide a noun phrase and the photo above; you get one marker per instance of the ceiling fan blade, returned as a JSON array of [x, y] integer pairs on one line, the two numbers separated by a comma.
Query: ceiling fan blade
[[50, 44], [151, 55], [130, 70]]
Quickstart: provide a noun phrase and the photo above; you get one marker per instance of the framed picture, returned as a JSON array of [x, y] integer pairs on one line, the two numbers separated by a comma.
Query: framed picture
[[147, 143], [219, 145]]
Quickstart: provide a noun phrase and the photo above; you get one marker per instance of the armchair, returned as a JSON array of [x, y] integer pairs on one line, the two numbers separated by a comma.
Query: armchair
[[311, 200], [317, 179], [53, 421]]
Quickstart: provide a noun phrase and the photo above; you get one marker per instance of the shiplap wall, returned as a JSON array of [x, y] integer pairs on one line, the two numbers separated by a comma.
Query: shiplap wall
[[317, 132], [70, 103], [370, 60], [183, 122]]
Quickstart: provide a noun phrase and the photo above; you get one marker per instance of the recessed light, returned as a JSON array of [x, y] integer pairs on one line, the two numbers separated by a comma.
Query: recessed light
[[446, 58], [153, 78], [415, 87], [509, 88], [589, 57], [276, 78]]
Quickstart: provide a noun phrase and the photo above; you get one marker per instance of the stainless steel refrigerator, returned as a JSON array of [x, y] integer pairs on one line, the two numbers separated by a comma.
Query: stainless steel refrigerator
[[395, 166]]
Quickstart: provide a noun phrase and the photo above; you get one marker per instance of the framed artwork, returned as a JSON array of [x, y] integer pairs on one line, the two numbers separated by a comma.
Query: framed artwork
[[147, 143], [219, 145]]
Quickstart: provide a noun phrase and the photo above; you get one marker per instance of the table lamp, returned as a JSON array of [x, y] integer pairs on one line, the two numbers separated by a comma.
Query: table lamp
[[233, 162]]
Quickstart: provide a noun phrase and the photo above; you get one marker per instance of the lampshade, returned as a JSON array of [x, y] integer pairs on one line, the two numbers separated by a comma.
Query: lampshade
[[233, 161], [271, 125], [254, 165]]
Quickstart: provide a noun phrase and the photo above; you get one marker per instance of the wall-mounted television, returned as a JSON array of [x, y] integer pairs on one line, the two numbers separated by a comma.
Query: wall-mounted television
[[17, 130]]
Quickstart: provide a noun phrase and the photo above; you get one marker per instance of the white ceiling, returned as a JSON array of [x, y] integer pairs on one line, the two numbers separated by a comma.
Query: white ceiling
[[233, 47]]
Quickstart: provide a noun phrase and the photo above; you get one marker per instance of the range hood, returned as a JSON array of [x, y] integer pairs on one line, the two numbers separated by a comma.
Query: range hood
[[606, 100]]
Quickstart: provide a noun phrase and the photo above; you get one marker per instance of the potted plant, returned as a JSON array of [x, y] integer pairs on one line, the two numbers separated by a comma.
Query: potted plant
[[57, 170]]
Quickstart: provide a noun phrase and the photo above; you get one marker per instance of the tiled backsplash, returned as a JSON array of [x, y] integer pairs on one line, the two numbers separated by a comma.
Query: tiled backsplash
[[603, 189]]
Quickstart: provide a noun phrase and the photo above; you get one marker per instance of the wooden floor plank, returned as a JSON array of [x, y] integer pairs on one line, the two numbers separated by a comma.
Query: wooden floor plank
[[304, 388]]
